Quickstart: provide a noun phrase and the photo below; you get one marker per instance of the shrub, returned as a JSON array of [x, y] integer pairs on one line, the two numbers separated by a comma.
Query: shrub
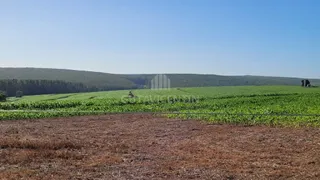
[[3, 96], [19, 94]]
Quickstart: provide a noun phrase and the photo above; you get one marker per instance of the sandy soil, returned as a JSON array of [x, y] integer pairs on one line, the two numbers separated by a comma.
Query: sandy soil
[[147, 147]]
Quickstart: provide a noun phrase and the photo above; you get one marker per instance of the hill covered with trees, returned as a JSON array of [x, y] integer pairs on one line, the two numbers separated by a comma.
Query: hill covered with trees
[[102, 81], [14, 87], [47, 81]]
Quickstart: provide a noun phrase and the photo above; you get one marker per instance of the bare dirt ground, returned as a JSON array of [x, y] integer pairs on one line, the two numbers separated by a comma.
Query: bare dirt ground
[[147, 147]]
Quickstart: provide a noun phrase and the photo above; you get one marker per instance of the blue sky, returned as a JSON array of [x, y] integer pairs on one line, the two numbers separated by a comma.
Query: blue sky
[[227, 37]]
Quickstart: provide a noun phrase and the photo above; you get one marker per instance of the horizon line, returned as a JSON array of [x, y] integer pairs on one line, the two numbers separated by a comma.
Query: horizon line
[[189, 73]]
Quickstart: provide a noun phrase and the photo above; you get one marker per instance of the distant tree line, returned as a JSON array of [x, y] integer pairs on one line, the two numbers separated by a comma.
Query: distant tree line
[[14, 87], [3, 97]]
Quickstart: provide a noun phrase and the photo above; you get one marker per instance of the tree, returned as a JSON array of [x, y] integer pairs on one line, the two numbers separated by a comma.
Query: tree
[[3, 96], [36, 87], [308, 84], [19, 94], [305, 83]]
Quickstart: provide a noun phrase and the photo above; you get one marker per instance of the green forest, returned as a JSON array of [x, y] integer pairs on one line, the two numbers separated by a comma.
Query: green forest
[[37, 81], [14, 87]]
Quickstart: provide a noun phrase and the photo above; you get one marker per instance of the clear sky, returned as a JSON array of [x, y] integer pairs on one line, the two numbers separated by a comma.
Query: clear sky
[[227, 37]]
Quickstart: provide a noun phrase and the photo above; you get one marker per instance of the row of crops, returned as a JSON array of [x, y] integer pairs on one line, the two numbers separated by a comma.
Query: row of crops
[[271, 108]]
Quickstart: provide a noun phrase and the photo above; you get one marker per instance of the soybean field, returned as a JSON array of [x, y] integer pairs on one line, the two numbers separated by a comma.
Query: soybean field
[[249, 105]]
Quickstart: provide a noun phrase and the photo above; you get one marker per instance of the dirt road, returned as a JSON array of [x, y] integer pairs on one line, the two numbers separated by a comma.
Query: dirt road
[[147, 147]]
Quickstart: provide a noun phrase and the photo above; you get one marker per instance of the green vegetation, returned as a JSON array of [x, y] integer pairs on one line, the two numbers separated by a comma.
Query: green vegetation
[[3, 96], [96, 81], [19, 94], [100, 81], [14, 87], [270, 105]]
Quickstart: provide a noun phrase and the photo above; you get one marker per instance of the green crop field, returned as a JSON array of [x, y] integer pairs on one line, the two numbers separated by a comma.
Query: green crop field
[[269, 105]]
